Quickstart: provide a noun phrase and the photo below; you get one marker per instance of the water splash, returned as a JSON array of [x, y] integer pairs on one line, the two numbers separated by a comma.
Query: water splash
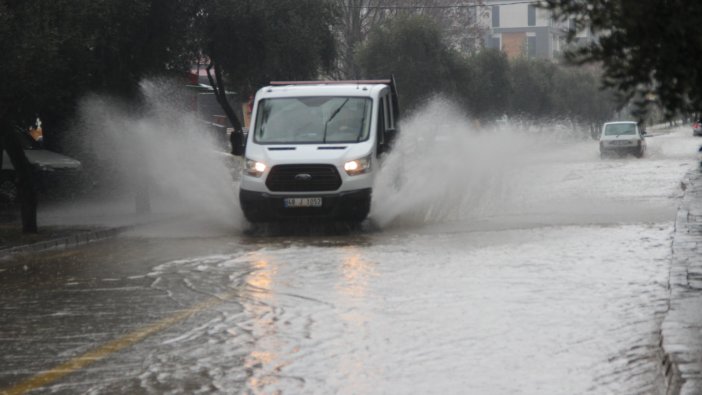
[[446, 167], [187, 170]]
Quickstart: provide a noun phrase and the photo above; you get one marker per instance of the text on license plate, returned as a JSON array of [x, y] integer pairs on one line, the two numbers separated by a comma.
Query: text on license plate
[[302, 202]]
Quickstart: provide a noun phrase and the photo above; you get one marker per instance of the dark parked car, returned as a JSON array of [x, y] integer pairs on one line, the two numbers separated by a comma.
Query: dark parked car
[[48, 166]]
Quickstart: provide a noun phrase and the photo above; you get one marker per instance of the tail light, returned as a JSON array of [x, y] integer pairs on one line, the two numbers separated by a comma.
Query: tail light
[[696, 125]]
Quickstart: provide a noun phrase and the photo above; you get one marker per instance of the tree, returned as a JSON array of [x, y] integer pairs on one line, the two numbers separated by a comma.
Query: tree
[[54, 52], [458, 23], [542, 90], [491, 88], [250, 43], [532, 87], [578, 95], [644, 45], [412, 48]]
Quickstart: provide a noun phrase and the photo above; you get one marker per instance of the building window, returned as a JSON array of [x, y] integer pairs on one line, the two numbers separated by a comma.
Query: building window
[[531, 16], [493, 42], [531, 47], [496, 16]]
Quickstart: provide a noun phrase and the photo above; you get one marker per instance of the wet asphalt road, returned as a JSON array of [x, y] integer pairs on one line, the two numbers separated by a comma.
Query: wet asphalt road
[[60, 306], [560, 290]]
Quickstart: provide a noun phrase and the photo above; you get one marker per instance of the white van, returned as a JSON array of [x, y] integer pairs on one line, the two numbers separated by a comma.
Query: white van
[[312, 149]]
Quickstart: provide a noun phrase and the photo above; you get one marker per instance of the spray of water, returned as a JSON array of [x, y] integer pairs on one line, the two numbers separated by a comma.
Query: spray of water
[[163, 144], [446, 167]]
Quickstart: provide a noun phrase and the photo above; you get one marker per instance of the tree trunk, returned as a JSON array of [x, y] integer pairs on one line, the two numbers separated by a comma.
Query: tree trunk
[[26, 191], [217, 82]]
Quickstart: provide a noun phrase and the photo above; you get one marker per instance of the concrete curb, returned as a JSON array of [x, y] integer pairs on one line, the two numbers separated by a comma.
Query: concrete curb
[[58, 243], [681, 329], [81, 237]]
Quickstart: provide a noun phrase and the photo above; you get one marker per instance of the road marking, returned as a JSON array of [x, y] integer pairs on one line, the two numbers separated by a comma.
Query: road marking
[[77, 363]]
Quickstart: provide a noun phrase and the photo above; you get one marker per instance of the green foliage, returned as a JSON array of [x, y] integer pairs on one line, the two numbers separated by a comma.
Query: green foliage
[[577, 95], [56, 51], [486, 84], [643, 45], [491, 88], [542, 89], [259, 41], [459, 25], [413, 49], [533, 87]]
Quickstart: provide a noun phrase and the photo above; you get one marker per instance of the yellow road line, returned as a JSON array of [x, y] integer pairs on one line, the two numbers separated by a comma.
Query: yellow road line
[[77, 363]]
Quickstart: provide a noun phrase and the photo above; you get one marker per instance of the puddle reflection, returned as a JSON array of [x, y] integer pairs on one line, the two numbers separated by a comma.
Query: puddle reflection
[[262, 364]]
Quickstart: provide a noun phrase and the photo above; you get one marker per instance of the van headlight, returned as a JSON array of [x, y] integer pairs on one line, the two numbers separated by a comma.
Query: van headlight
[[254, 168], [358, 166]]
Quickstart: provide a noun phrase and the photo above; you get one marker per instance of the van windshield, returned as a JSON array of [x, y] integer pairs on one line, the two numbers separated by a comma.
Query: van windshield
[[617, 129], [313, 120]]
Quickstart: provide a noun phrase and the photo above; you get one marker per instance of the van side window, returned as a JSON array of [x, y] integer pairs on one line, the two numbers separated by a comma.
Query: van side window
[[390, 114], [381, 119], [386, 110]]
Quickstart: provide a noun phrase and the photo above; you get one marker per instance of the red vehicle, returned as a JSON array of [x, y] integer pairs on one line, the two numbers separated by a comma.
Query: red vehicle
[[697, 128]]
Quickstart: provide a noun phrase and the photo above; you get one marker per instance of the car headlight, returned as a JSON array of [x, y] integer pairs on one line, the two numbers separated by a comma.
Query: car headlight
[[358, 166], [254, 168]]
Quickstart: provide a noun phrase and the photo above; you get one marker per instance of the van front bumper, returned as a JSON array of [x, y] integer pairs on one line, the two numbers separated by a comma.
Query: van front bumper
[[343, 206]]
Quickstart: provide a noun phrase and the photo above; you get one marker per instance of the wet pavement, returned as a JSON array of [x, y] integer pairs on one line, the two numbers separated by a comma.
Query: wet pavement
[[682, 327], [559, 284], [409, 313]]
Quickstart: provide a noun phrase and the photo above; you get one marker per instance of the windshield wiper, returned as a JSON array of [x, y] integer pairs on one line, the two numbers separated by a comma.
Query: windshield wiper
[[326, 124]]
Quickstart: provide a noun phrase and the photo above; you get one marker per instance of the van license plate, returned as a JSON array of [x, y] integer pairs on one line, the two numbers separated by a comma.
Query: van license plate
[[302, 202]]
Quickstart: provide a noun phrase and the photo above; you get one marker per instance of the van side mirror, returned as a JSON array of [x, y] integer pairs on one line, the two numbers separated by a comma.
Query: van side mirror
[[237, 139]]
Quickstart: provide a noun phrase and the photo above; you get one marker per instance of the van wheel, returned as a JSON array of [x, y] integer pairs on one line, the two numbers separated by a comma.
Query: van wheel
[[253, 214], [358, 212]]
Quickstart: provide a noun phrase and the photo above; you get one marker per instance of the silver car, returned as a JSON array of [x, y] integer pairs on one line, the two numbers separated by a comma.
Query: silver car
[[622, 138]]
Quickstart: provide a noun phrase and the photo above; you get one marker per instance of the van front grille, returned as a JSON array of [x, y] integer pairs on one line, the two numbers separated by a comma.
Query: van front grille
[[303, 178]]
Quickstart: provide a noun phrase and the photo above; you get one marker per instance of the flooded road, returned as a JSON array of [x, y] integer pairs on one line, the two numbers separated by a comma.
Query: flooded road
[[553, 281]]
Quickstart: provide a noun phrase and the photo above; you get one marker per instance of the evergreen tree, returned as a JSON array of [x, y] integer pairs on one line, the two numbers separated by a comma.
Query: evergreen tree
[[56, 51], [644, 46]]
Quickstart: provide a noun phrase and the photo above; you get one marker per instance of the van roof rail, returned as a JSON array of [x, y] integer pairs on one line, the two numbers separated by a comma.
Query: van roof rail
[[331, 82]]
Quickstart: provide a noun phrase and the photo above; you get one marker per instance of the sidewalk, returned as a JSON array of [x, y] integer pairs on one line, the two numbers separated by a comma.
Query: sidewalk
[[68, 225], [682, 327], [13, 241]]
